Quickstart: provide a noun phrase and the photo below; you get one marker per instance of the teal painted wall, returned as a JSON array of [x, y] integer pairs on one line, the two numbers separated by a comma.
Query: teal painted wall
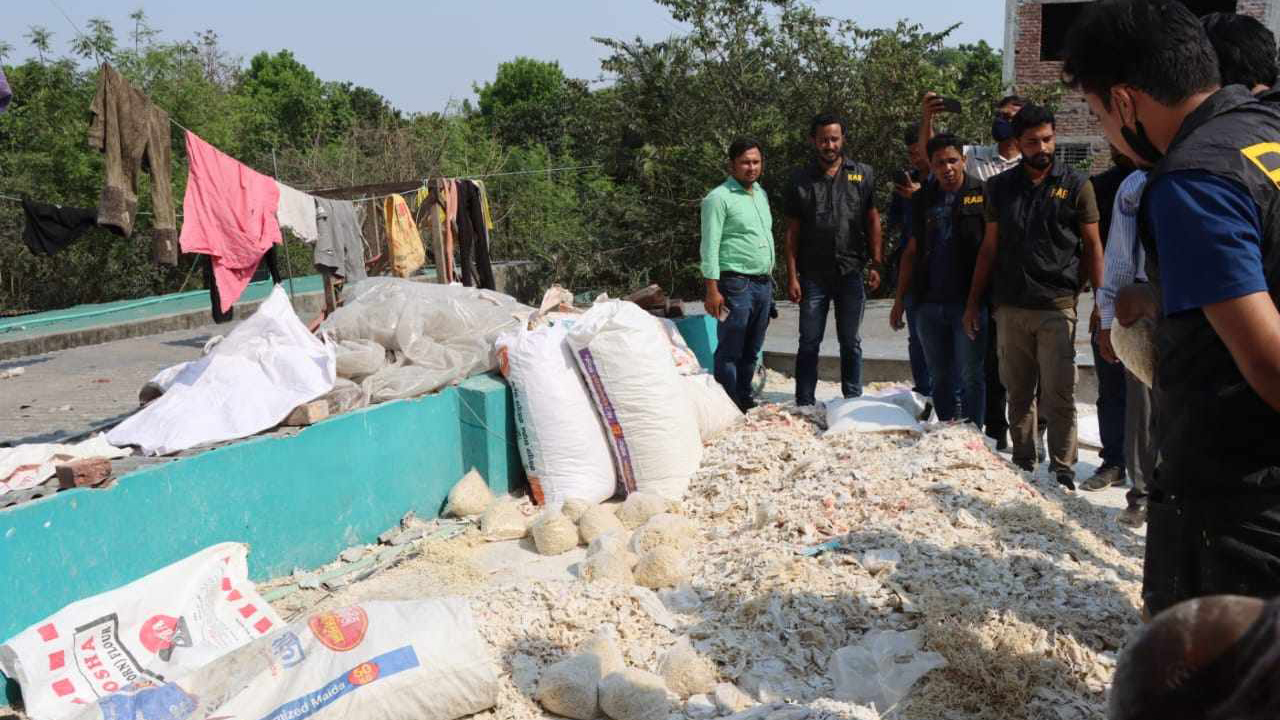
[[699, 331]]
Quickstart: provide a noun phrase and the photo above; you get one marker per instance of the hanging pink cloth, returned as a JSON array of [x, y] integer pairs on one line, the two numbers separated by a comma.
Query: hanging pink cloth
[[229, 213]]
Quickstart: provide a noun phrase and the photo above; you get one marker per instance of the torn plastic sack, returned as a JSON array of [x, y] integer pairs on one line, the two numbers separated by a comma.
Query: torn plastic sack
[[859, 415], [881, 669], [416, 660], [26, 466], [161, 626], [357, 359], [441, 334], [345, 397], [267, 366], [563, 445]]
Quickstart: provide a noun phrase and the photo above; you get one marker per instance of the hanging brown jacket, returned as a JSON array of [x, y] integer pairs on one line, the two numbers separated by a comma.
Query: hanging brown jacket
[[133, 134]]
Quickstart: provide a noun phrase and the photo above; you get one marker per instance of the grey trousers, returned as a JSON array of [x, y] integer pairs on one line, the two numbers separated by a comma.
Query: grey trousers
[[1139, 440]]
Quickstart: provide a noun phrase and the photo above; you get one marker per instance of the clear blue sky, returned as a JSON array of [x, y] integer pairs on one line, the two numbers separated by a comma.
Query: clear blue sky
[[423, 54]]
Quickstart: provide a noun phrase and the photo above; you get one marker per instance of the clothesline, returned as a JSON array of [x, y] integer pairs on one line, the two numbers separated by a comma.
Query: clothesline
[[479, 177]]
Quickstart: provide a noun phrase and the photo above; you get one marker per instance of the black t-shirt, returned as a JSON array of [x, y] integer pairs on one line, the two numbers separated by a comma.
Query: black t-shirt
[[832, 211]]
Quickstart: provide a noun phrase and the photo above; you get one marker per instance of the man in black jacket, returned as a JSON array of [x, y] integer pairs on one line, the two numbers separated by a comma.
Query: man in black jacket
[[937, 267], [1210, 224]]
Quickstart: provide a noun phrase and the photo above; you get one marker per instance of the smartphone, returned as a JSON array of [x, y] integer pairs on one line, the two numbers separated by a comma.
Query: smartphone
[[950, 105], [900, 177]]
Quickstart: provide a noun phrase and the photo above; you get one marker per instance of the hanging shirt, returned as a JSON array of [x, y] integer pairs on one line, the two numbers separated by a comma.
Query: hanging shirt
[[484, 204], [50, 228], [407, 253], [297, 212], [229, 214], [340, 246]]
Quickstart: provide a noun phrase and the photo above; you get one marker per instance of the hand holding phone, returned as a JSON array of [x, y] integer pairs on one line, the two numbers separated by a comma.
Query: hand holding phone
[[951, 105]]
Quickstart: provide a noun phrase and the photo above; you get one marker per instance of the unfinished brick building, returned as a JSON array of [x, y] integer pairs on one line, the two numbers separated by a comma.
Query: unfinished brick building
[[1034, 34]]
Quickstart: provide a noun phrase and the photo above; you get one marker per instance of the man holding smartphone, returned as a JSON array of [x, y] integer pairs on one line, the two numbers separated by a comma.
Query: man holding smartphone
[[833, 232], [737, 262]]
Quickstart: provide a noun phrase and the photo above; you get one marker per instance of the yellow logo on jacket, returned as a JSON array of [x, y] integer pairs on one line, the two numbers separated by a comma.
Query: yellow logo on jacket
[[1256, 153], [855, 177], [973, 200], [1058, 193]]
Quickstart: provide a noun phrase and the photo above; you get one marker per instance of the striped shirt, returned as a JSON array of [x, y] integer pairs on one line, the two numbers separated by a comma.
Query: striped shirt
[[985, 162], [1125, 260]]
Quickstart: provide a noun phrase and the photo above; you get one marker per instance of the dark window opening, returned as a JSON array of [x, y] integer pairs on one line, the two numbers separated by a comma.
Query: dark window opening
[[1056, 19]]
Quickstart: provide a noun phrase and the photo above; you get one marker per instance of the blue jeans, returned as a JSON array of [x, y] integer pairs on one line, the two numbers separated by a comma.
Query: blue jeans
[[818, 292], [958, 364], [1111, 408], [740, 336], [915, 351]]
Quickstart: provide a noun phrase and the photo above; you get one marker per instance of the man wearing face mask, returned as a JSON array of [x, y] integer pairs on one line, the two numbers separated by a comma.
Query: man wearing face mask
[[981, 161], [1040, 249], [833, 232], [1210, 224]]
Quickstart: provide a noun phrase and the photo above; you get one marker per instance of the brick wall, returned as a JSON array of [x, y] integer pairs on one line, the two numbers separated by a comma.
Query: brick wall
[[1075, 123]]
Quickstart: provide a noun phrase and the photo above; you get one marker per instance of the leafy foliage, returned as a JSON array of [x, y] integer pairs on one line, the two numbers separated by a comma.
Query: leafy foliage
[[652, 139]]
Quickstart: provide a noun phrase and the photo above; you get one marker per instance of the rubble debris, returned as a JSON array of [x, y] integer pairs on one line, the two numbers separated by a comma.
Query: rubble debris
[[614, 566], [573, 509], [553, 533], [633, 694], [90, 472], [730, 699], [571, 687], [470, 497], [598, 520], [666, 529], [502, 520]]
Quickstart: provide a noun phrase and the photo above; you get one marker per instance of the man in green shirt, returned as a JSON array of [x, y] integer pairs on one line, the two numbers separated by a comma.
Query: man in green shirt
[[737, 262]]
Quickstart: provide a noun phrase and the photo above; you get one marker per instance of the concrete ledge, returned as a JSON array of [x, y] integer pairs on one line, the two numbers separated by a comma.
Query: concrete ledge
[[298, 500]]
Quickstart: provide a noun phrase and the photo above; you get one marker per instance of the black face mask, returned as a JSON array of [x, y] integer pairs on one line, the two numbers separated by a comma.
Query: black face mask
[[1001, 129], [1140, 143]]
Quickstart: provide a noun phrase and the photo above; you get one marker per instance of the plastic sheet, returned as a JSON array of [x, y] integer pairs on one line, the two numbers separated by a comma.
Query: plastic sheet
[[358, 359], [881, 669], [441, 334]]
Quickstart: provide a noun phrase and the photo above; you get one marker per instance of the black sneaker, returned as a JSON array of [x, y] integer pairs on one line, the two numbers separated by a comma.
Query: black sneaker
[[747, 405], [1067, 480], [1002, 444], [1025, 465]]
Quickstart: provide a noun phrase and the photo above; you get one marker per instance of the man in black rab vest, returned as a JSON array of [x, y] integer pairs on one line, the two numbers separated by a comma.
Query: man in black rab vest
[[1210, 225], [1040, 249], [937, 267]]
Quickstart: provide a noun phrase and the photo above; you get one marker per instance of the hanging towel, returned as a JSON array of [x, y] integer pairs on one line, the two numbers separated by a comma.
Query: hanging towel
[[340, 246], [133, 134], [5, 93], [229, 213], [51, 228], [484, 204], [297, 212], [407, 253]]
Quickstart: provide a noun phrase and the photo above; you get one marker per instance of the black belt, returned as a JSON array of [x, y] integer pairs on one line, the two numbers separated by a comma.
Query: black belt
[[755, 278]]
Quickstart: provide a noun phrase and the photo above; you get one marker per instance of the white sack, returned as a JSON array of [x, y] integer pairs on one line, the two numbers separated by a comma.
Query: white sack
[[861, 415], [563, 445], [681, 354], [441, 334], [902, 396], [249, 382], [416, 660], [29, 465], [159, 627], [626, 360], [711, 404]]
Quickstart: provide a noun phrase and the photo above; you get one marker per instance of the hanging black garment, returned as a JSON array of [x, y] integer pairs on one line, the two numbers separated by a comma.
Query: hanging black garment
[[477, 270], [51, 228], [215, 301]]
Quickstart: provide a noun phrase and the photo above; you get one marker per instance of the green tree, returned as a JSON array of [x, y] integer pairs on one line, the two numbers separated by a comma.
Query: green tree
[[526, 104], [41, 39]]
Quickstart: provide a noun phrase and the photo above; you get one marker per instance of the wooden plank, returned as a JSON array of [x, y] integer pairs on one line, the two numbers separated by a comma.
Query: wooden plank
[[309, 414]]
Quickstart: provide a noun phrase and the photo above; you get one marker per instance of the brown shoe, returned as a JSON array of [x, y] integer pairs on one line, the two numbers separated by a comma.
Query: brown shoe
[[1134, 516], [1107, 476]]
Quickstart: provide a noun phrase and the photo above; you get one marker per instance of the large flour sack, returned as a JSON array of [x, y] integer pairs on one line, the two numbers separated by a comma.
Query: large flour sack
[[415, 660], [563, 445], [150, 631], [625, 357]]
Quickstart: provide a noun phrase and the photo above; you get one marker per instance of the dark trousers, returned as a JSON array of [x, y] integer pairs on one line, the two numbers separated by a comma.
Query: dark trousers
[[1112, 390], [819, 291], [740, 336], [956, 362], [1139, 439], [920, 375], [997, 422]]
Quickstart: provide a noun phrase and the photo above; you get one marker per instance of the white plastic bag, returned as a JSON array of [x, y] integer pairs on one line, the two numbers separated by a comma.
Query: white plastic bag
[[249, 382], [626, 361], [417, 660], [681, 354], [859, 415], [880, 670], [159, 627], [563, 445], [359, 358], [711, 404]]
